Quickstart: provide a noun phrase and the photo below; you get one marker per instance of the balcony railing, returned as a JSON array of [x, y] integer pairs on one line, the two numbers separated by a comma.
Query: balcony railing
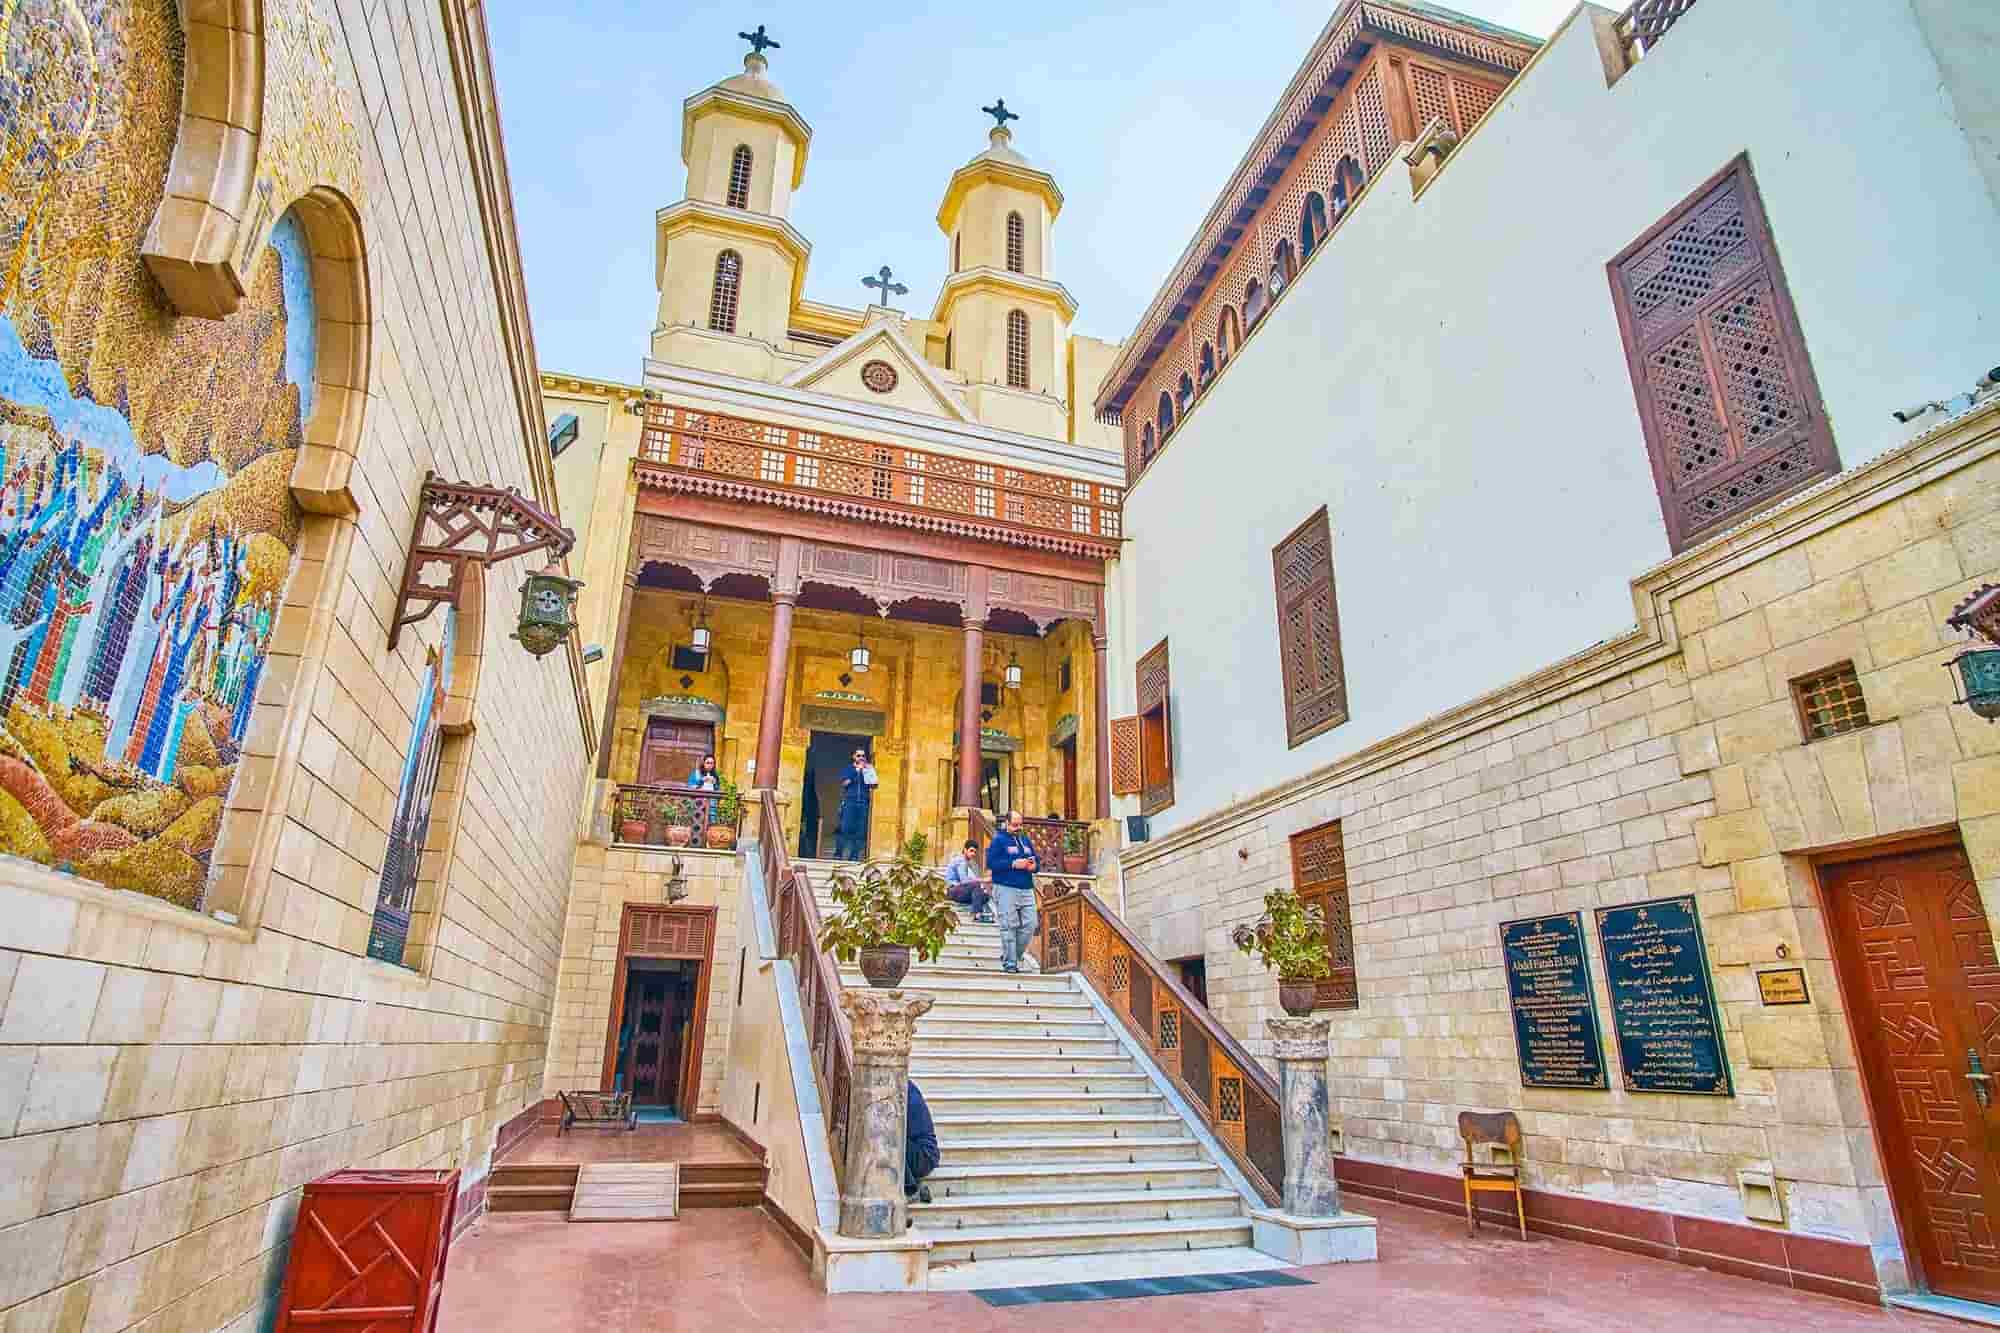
[[930, 490], [1051, 840], [669, 814], [1645, 23]]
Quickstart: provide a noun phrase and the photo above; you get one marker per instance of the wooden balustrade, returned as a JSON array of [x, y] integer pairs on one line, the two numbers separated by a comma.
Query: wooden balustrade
[[1234, 1095], [670, 814], [955, 491], [795, 918], [1646, 22], [1050, 839]]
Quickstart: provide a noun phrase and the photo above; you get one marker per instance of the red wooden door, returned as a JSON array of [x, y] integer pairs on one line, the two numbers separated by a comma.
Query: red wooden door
[[673, 750], [1916, 962], [649, 1030], [1069, 780]]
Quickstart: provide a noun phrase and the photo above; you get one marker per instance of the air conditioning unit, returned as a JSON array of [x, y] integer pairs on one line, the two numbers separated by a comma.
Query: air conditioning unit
[[1136, 829]]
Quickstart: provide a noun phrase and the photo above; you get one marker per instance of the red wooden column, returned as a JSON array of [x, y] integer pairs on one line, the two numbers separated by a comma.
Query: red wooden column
[[771, 721], [1100, 724]]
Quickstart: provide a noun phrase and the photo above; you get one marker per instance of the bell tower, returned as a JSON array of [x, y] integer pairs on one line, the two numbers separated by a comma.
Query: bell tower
[[727, 261], [1007, 317]]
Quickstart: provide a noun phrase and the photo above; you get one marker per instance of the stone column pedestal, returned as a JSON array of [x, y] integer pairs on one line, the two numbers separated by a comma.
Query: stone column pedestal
[[1309, 1227], [871, 1179]]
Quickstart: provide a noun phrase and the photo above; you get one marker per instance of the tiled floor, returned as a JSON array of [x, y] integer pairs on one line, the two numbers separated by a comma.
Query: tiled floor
[[733, 1268], [706, 1142]]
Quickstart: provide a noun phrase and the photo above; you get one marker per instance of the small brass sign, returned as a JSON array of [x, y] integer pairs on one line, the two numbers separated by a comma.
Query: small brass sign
[[1783, 985]]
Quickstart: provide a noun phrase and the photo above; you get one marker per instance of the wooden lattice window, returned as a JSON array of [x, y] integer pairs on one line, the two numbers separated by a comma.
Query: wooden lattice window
[[1830, 702], [1017, 349], [1156, 741], [1727, 398], [1319, 877], [722, 298], [1125, 756], [739, 177], [1016, 243], [1314, 671]]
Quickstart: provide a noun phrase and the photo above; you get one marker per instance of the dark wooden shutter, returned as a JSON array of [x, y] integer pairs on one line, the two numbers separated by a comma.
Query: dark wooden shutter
[[1125, 779], [1156, 739], [1319, 877], [1732, 414], [1309, 631]]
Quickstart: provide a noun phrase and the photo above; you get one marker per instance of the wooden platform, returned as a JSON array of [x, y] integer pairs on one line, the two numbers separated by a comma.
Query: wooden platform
[[718, 1169], [626, 1192]]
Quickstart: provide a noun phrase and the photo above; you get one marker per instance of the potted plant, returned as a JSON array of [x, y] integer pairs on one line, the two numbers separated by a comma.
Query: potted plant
[[680, 821], [1074, 861], [1289, 938], [632, 823], [728, 808], [887, 911]]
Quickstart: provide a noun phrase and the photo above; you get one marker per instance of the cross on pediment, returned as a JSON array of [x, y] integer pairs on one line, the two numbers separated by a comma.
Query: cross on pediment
[[759, 40], [1001, 115], [882, 281]]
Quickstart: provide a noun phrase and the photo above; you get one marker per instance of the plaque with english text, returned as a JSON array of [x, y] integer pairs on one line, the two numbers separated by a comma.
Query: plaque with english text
[[1662, 998], [1548, 988]]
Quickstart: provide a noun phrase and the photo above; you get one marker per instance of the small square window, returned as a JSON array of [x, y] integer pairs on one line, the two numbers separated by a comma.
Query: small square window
[[686, 658], [1830, 702], [1063, 676]]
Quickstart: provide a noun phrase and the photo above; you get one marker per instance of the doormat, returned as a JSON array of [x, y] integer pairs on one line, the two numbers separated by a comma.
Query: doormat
[[658, 1115], [1131, 1288]]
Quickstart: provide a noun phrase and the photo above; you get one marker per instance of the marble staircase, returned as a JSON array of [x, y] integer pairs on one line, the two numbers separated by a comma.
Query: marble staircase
[[1054, 1140]]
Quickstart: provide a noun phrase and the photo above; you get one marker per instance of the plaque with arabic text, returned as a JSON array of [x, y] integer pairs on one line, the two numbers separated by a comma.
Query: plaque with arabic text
[[1548, 988], [1662, 998]]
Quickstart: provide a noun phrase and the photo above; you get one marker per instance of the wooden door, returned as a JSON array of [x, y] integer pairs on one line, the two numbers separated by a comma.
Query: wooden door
[[672, 750], [1069, 780], [1916, 963], [651, 1063]]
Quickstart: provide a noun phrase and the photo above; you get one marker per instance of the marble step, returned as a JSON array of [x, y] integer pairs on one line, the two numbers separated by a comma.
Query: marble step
[[1028, 1008], [990, 1125], [988, 1274], [1007, 1099], [938, 1081], [960, 983], [981, 1179], [934, 1024], [1023, 1150], [955, 1212], [971, 1244], [986, 1067], [959, 1043]]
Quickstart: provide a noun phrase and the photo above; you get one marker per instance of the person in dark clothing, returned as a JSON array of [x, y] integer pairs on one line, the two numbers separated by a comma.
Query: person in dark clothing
[[1012, 859], [920, 1150], [850, 835]]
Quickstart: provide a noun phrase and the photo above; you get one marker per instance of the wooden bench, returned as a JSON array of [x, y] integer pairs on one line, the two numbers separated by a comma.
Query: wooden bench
[[597, 1110], [1503, 1130]]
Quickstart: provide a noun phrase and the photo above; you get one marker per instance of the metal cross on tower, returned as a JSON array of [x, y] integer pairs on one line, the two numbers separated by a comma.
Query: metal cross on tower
[[882, 281], [758, 40], [1001, 115]]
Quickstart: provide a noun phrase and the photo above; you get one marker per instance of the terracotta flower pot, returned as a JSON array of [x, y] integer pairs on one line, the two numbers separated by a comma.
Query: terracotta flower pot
[[1075, 863], [1296, 997], [721, 836], [632, 830], [679, 835], [885, 964]]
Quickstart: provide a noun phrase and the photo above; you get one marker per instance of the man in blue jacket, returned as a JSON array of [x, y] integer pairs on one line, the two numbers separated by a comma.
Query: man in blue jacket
[[920, 1147], [1012, 860]]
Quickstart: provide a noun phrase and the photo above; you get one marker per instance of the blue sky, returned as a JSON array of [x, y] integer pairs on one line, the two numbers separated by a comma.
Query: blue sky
[[1140, 112]]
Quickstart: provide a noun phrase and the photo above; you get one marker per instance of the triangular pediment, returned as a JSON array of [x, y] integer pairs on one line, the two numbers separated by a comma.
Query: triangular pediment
[[851, 369]]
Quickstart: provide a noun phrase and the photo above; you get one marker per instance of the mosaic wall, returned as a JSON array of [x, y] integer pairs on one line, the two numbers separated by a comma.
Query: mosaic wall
[[146, 526]]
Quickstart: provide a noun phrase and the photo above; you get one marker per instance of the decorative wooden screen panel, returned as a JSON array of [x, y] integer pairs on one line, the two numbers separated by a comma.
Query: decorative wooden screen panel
[[1319, 877], [1156, 742], [1125, 755], [1727, 398], [666, 932], [1309, 631]]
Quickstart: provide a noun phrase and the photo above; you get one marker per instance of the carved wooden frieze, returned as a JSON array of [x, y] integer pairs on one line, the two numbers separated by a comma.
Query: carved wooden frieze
[[710, 552], [882, 576], [1044, 600]]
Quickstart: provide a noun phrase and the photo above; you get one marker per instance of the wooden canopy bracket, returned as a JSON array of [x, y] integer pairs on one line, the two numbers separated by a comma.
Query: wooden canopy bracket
[[461, 526]]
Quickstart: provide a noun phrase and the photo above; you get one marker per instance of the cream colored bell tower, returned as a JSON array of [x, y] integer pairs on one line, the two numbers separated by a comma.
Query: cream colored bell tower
[[1006, 318], [729, 266]]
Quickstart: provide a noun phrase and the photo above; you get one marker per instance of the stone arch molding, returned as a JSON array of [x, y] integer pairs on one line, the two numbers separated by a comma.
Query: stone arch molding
[[203, 238], [322, 475]]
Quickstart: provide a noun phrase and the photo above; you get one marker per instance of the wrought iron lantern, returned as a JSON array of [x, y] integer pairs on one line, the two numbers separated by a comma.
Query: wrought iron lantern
[[859, 658], [1011, 677], [548, 610], [1978, 668], [701, 637]]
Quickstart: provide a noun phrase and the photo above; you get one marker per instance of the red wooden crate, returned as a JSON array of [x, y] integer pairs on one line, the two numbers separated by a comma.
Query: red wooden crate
[[368, 1252]]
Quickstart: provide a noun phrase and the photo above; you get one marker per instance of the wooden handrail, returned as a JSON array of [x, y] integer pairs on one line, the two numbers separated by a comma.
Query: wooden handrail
[[1236, 1096]]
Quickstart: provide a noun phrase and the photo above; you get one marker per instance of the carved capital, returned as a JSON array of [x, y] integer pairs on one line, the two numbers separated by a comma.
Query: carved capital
[[1298, 1038], [883, 1022]]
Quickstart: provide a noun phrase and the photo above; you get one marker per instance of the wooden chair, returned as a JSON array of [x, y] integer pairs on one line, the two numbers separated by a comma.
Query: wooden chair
[[597, 1110], [1499, 1129]]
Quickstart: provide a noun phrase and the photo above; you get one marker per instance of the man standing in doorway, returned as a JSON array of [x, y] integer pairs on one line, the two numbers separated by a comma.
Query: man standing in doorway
[[1012, 860], [850, 835]]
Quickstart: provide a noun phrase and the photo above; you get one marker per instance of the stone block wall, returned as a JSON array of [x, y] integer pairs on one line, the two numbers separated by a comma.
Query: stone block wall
[[1668, 761]]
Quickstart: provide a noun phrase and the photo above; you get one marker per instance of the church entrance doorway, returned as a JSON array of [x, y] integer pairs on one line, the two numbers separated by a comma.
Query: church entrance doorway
[[828, 754], [1914, 955], [996, 785], [659, 1008]]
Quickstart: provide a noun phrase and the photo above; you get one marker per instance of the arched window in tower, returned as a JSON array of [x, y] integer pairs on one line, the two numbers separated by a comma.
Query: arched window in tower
[[1184, 394], [1016, 243], [1346, 184], [722, 299], [1312, 224], [1166, 416], [1284, 267], [1146, 446], [739, 177], [1017, 349], [1253, 303], [1228, 334], [1207, 371]]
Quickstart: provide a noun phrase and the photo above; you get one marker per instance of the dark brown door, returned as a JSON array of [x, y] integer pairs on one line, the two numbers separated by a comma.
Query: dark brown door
[[650, 1062], [1916, 962], [673, 749], [1069, 780]]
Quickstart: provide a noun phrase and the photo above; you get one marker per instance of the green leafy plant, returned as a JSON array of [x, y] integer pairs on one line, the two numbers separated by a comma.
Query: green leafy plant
[[900, 901], [728, 803], [1074, 839], [678, 811], [1290, 938]]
